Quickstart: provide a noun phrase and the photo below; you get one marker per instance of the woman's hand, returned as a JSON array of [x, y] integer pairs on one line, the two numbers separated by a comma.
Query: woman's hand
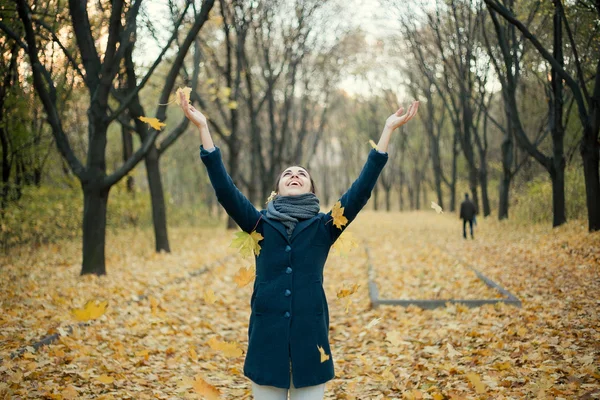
[[191, 113], [396, 120]]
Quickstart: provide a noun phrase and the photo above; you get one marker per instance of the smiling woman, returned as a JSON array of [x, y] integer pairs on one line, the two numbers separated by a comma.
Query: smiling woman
[[294, 180]]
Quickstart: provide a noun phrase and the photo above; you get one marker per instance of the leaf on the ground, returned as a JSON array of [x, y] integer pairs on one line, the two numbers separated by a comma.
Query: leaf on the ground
[[373, 322], [229, 349], [93, 309], [107, 380], [394, 338], [153, 122], [244, 276], [209, 296], [205, 389], [436, 207], [247, 243], [476, 382], [337, 212], [324, 357]]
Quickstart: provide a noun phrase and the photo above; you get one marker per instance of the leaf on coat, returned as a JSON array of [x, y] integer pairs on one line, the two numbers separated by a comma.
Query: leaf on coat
[[324, 357], [247, 243], [244, 276], [153, 122], [347, 292], [205, 389], [436, 207], [209, 296], [372, 143], [476, 382], [344, 244], [93, 309], [337, 212], [229, 349]]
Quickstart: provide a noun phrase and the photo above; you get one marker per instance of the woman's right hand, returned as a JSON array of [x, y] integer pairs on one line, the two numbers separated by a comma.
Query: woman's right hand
[[191, 113]]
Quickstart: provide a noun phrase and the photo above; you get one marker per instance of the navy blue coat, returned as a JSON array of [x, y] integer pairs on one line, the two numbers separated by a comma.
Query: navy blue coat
[[289, 315]]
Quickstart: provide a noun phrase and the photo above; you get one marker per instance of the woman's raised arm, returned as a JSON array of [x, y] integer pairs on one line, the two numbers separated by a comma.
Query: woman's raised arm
[[359, 193], [233, 201]]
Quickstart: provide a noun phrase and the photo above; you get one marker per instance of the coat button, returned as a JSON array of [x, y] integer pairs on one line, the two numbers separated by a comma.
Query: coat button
[[287, 292], [288, 270], [288, 249], [287, 314]]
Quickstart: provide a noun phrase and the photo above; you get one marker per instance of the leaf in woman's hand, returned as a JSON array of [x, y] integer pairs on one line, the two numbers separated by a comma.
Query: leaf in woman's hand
[[186, 92]]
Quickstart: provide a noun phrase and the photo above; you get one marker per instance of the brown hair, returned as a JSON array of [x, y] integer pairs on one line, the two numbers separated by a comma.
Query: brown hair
[[312, 183]]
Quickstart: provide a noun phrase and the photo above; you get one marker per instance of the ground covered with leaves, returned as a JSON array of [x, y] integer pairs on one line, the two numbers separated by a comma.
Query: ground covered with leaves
[[165, 326]]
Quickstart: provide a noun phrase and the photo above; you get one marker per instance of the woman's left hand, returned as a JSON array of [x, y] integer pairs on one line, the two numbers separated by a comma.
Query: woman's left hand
[[396, 120]]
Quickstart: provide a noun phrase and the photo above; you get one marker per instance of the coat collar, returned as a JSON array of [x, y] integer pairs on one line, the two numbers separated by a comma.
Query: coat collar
[[300, 226]]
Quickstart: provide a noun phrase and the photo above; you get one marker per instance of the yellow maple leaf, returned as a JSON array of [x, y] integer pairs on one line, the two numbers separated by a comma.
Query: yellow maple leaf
[[205, 389], [436, 207], [107, 380], [344, 244], [337, 212], [347, 292], [229, 349], [93, 309], [476, 382], [153, 122], [372, 143], [209, 296], [186, 92], [244, 276], [247, 243], [324, 357]]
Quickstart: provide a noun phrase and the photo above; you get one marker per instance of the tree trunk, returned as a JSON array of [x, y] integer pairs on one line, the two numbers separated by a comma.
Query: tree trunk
[[94, 227], [483, 181], [590, 153], [127, 152], [558, 197], [157, 198], [454, 172], [507, 149], [375, 196], [388, 199]]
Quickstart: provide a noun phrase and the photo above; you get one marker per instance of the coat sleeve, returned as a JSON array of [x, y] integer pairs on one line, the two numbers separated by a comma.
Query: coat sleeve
[[359, 193], [233, 201]]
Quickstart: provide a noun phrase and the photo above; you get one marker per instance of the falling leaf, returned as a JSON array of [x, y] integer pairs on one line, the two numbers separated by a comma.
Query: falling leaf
[[153, 122], [229, 349], [476, 382], [344, 244], [271, 196], [244, 276], [337, 212], [436, 207], [209, 296], [247, 243], [373, 322], [372, 143], [347, 292], [324, 357], [205, 389], [93, 309]]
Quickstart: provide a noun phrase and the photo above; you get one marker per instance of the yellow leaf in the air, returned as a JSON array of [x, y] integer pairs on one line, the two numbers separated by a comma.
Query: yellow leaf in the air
[[373, 322], [247, 243], [229, 349], [92, 310], [153, 122], [209, 296], [232, 105], [106, 379], [337, 212], [436, 207], [205, 389], [324, 357], [372, 143], [344, 244], [476, 382], [347, 292], [244, 276]]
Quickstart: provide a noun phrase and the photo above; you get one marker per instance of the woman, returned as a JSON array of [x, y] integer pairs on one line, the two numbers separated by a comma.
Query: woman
[[288, 343]]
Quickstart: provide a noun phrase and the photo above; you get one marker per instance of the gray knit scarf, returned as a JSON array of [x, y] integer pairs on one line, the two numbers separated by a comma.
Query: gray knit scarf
[[289, 209]]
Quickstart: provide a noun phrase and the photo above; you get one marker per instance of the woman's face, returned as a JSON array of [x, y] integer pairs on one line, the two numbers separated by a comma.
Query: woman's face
[[294, 181]]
